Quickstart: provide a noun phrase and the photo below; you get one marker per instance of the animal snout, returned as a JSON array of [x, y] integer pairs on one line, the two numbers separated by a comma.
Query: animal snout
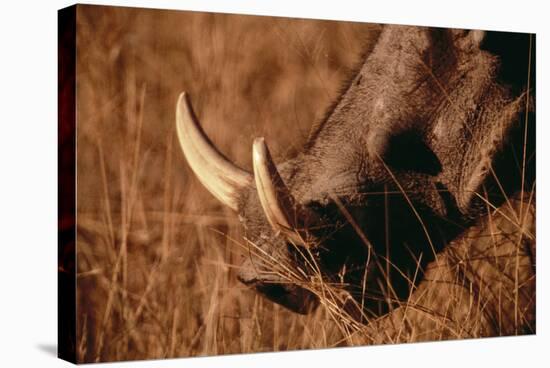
[[290, 296]]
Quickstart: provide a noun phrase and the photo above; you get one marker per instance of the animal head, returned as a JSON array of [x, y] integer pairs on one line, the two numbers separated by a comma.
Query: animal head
[[405, 158]]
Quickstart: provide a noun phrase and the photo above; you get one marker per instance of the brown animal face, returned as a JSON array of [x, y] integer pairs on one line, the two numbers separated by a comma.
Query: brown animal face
[[391, 175]]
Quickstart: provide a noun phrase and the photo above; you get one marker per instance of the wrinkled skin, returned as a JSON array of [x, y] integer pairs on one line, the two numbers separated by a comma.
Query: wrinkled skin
[[425, 115], [395, 174]]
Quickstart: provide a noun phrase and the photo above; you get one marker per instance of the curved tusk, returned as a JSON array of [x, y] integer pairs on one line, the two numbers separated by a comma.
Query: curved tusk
[[221, 177], [279, 205]]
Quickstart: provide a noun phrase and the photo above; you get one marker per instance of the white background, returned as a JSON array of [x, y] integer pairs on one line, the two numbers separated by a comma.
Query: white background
[[28, 181]]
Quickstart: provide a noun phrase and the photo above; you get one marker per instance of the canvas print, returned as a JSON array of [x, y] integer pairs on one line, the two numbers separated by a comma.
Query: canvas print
[[237, 184]]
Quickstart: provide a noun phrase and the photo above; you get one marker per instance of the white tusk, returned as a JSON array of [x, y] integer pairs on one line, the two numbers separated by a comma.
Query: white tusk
[[221, 177], [279, 205]]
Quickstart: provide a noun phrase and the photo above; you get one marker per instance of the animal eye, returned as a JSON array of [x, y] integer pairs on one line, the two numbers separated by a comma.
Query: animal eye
[[409, 152]]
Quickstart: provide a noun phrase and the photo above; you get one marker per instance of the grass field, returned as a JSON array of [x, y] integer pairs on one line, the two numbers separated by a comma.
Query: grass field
[[155, 277], [156, 257]]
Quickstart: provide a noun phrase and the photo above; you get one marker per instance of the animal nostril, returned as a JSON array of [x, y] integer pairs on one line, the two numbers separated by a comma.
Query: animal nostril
[[274, 291]]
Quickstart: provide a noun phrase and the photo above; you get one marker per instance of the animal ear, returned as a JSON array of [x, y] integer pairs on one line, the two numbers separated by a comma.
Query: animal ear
[[515, 51], [476, 37], [468, 39]]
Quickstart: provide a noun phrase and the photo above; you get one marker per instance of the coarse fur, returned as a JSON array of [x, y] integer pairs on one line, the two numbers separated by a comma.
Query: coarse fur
[[395, 171]]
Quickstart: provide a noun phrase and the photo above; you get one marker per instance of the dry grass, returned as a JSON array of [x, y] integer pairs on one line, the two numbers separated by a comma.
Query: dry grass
[[156, 263], [157, 254]]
